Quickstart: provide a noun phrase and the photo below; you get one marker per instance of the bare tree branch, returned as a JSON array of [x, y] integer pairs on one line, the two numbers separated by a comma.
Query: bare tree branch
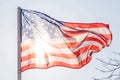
[[111, 68]]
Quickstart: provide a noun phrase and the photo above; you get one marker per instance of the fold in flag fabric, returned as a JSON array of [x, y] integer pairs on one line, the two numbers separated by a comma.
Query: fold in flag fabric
[[47, 42]]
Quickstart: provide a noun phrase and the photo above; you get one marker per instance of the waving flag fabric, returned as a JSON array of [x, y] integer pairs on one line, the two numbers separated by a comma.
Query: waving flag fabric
[[47, 42]]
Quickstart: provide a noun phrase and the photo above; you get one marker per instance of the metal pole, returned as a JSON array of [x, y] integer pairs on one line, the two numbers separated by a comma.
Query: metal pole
[[18, 43]]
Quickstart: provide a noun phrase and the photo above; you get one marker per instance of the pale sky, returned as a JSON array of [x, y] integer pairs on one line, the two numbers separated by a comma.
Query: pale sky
[[84, 11]]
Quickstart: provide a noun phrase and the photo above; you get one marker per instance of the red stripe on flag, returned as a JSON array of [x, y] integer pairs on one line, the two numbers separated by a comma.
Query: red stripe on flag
[[63, 55], [86, 25], [75, 44], [26, 47], [27, 57], [56, 63]]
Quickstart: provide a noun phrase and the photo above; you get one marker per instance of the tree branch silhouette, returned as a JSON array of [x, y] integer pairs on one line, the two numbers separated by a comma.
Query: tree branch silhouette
[[110, 68]]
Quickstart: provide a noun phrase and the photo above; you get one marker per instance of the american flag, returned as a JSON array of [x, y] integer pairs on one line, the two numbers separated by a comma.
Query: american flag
[[47, 42]]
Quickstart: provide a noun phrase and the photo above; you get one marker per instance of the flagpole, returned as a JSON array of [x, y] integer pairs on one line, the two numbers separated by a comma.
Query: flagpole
[[18, 43]]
